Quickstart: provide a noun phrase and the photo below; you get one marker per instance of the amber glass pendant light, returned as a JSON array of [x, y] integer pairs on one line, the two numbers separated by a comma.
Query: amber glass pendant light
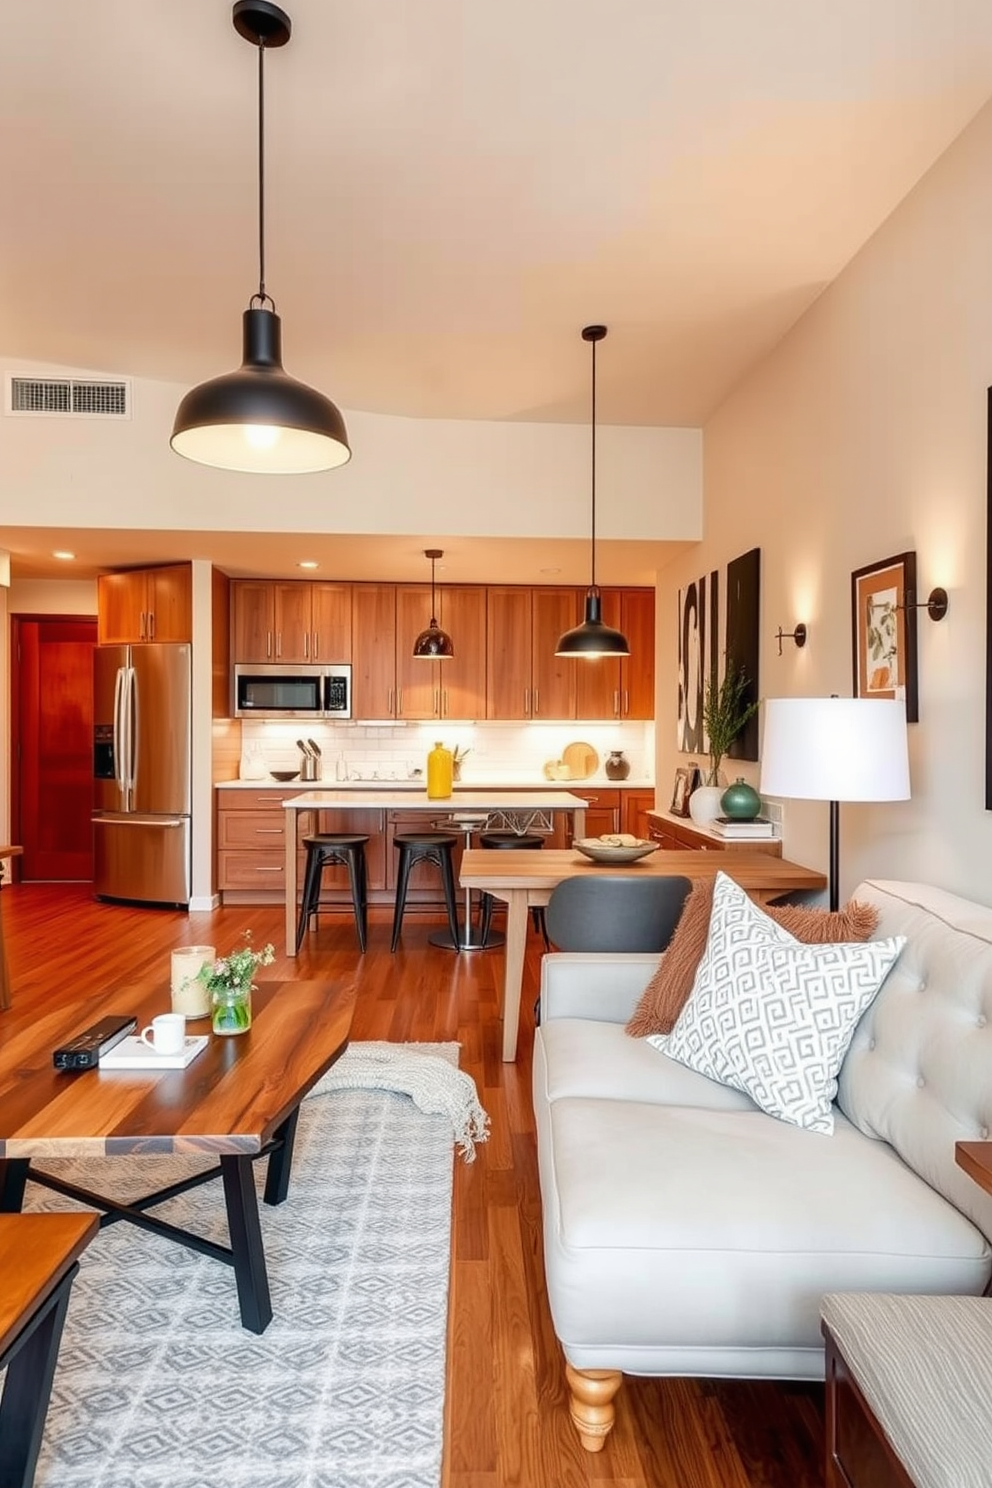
[[593, 638], [433, 644], [259, 418]]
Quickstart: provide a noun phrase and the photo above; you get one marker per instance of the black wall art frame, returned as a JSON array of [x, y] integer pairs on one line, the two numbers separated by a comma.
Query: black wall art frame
[[699, 607], [743, 641]]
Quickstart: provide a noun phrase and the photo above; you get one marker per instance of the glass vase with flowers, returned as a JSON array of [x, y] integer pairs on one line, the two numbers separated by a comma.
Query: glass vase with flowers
[[229, 982]]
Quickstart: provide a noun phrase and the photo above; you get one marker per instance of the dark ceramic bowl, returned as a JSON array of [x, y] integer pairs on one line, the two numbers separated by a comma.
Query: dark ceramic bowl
[[284, 774]]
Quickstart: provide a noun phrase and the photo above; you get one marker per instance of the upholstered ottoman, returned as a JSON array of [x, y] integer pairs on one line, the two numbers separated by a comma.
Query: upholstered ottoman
[[909, 1391]]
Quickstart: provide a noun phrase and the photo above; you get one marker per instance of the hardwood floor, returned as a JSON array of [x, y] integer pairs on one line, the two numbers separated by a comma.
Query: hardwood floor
[[507, 1417]]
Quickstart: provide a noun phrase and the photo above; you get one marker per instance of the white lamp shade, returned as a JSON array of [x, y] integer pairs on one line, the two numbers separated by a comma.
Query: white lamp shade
[[835, 749]]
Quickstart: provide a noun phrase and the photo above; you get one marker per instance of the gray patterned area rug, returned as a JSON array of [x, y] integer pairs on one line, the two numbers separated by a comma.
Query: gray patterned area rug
[[157, 1382]]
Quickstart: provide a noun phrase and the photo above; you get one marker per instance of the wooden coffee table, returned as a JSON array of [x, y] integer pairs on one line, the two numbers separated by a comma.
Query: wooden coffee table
[[238, 1100]]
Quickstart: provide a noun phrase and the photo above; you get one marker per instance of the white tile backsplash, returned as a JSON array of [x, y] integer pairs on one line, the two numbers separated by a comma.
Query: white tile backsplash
[[511, 753]]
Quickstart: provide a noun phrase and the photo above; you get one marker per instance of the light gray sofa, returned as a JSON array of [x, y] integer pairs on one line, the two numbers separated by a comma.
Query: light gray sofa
[[688, 1233]]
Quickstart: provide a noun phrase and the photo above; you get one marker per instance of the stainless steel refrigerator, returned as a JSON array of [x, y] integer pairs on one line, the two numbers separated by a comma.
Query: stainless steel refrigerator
[[142, 725]]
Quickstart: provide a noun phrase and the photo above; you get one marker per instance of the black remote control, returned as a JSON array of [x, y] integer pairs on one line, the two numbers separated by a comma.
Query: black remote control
[[83, 1052]]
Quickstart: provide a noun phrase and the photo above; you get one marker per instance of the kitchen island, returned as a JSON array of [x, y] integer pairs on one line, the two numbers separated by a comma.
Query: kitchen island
[[519, 809]]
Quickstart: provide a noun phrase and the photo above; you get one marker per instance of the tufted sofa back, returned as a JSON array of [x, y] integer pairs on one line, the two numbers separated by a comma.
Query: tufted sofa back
[[918, 1072]]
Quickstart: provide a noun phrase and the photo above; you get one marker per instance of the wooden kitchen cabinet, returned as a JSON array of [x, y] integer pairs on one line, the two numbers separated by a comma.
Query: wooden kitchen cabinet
[[602, 815], [145, 604], [525, 679], [295, 621], [454, 688], [634, 808], [373, 676], [251, 845], [553, 677], [621, 687]]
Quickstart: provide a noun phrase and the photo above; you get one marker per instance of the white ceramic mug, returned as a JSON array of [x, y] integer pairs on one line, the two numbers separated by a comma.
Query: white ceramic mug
[[166, 1034], [190, 997]]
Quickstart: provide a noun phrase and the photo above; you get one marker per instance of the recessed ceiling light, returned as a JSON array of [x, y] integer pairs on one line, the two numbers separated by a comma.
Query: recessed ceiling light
[[61, 553], [308, 563]]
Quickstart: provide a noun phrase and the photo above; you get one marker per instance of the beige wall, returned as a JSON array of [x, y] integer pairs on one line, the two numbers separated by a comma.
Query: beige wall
[[471, 478], [862, 435]]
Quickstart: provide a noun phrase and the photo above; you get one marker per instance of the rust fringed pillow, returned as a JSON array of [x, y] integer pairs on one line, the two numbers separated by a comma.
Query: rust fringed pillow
[[665, 995]]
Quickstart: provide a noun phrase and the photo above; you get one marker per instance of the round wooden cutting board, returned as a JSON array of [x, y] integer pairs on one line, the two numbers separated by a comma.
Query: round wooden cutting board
[[581, 759]]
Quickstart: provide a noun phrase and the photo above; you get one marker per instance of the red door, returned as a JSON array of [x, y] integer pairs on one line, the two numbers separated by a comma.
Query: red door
[[52, 771]]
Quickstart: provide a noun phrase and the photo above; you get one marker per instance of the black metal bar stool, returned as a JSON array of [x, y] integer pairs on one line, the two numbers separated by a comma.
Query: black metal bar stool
[[425, 847], [511, 840], [469, 939], [334, 847]]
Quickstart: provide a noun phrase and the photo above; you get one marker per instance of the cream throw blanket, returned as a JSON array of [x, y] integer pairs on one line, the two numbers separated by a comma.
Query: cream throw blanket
[[433, 1082]]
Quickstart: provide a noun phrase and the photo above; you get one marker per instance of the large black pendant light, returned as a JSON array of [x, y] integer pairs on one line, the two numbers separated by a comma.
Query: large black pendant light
[[433, 644], [259, 418], [592, 638]]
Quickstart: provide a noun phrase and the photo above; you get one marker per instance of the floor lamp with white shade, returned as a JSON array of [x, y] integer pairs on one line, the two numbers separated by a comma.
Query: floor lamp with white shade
[[835, 749]]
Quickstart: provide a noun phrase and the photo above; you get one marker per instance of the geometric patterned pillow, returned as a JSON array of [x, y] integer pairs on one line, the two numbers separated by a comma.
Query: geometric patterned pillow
[[771, 1016]]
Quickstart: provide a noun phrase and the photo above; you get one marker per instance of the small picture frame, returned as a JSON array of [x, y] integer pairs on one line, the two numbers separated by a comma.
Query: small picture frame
[[883, 615], [686, 779]]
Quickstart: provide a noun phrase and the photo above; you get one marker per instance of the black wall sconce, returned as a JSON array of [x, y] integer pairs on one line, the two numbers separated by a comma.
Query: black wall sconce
[[935, 604], [798, 635]]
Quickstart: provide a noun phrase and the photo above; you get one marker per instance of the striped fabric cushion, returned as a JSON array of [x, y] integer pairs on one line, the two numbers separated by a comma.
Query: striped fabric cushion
[[924, 1365]]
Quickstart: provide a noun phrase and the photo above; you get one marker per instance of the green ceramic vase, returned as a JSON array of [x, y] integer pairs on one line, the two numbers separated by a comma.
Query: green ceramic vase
[[740, 801]]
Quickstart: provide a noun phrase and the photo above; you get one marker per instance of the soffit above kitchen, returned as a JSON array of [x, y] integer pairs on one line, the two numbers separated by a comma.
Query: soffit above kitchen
[[455, 188], [356, 558]]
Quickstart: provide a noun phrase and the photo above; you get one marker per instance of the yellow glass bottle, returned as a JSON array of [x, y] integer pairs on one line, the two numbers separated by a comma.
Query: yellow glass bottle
[[440, 772]]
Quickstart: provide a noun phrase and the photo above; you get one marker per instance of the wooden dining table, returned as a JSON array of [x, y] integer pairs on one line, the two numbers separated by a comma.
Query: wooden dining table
[[524, 879]]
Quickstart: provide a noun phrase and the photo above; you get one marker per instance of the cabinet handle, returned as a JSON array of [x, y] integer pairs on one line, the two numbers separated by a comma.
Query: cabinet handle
[[141, 627], [278, 644], [626, 702], [526, 702], [444, 694], [268, 645], [316, 644], [616, 704], [591, 799], [151, 625], [268, 831], [389, 703], [537, 701], [306, 645], [268, 870], [399, 702]]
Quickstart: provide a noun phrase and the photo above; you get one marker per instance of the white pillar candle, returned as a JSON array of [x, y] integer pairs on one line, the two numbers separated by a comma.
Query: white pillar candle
[[189, 996]]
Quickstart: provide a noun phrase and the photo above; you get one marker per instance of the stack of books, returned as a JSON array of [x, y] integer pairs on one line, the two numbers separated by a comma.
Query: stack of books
[[759, 826]]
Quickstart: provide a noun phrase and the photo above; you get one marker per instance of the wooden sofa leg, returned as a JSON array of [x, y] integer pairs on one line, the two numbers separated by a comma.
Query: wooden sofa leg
[[592, 1403]]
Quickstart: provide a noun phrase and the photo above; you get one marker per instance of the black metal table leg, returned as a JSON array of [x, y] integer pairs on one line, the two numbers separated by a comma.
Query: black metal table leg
[[281, 1160], [13, 1176], [30, 1362], [246, 1242]]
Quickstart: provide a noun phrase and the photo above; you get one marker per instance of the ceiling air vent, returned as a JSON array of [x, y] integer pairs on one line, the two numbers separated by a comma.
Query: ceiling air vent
[[69, 397]]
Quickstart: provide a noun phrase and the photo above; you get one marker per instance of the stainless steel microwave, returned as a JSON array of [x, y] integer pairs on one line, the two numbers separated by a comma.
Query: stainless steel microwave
[[264, 690]]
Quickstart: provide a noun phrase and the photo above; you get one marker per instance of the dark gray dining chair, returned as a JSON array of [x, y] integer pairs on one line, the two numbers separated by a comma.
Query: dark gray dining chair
[[622, 912]]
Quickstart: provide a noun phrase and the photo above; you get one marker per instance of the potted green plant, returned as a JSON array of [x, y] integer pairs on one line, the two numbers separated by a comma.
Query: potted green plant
[[725, 712]]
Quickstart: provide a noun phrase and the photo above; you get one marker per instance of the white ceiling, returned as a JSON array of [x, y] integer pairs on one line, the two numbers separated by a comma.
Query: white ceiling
[[454, 190]]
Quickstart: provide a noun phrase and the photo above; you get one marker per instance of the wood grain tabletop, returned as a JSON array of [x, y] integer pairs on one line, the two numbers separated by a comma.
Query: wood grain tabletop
[[229, 1099]]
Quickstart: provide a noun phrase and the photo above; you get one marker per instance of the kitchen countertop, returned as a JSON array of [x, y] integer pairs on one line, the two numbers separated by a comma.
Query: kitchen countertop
[[374, 798], [420, 785]]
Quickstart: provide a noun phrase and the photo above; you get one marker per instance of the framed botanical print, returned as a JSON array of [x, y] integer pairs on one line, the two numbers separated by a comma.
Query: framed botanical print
[[883, 616]]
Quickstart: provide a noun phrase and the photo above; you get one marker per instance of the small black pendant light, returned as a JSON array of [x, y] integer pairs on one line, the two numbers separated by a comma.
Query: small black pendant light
[[259, 418], [592, 638], [433, 644]]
